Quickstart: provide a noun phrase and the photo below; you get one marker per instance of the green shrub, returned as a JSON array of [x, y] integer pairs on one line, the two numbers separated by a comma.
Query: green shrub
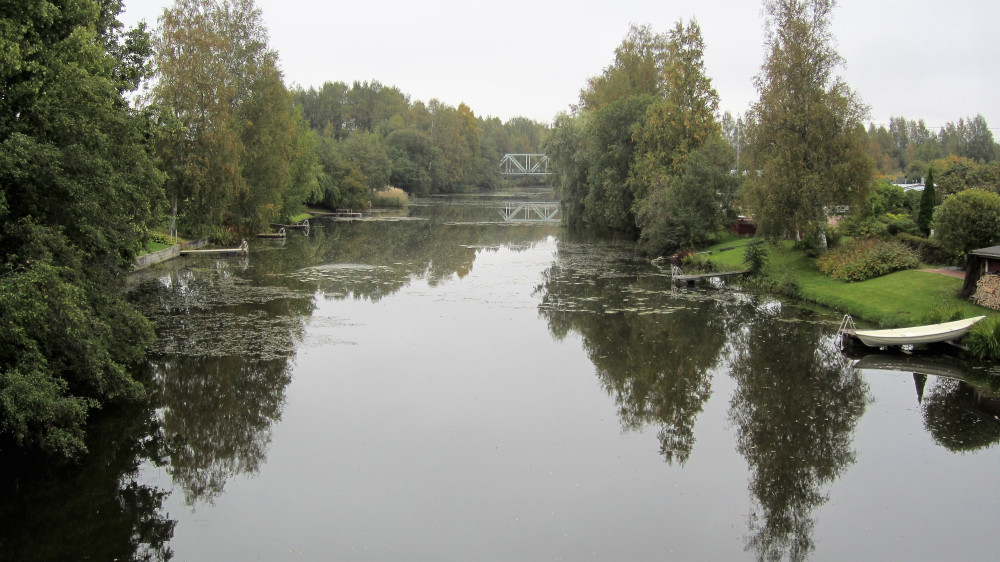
[[983, 340], [929, 249], [755, 256], [788, 286], [157, 238], [390, 197], [867, 259], [967, 220], [947, 313], [896, 224], [697, 263]]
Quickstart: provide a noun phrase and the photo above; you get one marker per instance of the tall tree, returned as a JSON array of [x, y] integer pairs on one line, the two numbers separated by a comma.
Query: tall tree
[[202, 157], [809, 147], [685, 117], [682, 199], [78, 193], [636, 71], [229, 161], [927, 202]]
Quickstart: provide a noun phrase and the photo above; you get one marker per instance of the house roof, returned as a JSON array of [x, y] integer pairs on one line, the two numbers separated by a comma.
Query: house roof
[[991, 252]]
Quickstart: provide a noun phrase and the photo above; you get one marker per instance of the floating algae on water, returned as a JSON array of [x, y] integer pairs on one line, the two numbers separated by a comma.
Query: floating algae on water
[[218, 314]]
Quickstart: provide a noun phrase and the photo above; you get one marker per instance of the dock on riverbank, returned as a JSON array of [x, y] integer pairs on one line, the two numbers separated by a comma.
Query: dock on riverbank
[[152, 258], [242, 250], [340, 214], [681, 279]]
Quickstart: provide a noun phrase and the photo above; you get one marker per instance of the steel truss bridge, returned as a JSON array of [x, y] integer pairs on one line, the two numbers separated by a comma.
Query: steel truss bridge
[[525, 165], [531, 211]]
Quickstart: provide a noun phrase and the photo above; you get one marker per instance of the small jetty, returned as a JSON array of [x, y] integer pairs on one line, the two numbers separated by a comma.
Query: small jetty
[[341, 214], [279, 234], [681, 279], [304, 225], [242, 250]]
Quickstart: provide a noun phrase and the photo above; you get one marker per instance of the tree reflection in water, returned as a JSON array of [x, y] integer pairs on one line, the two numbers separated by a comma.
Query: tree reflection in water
[[371, 260], [95, 510], [220, 370], [962, 416], [653, 353], [795, 409]]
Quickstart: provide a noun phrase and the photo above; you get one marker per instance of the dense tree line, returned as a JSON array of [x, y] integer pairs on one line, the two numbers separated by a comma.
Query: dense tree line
[[643, 152], [219, 147], [906, 148], [242, 151], [371, 135]]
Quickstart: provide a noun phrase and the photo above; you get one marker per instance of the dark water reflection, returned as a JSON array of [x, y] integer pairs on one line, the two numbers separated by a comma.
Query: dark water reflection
[[796, 399], [795, 410], [442, 385], [653, 352]]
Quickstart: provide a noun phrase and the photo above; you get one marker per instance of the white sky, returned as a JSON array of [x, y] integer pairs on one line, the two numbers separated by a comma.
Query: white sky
[[921, 59]]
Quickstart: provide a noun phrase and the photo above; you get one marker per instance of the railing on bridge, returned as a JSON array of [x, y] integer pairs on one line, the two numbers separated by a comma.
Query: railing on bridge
[[524, 165], [531, 211]]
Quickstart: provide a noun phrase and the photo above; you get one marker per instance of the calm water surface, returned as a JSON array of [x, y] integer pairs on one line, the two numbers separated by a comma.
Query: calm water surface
[[442, 385]]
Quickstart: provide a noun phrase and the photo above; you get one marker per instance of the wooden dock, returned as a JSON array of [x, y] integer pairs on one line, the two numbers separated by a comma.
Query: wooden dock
[[341, 214], [279, 234], [694, 279], [242, 250], [304, 225]]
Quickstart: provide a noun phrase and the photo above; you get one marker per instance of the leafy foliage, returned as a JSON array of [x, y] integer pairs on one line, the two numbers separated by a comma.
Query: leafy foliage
[[968, 220], [644, 155], [983, 340], [235, 141], [78, 194], [755, 256], [808, 145], [860, 260], [689, 210]]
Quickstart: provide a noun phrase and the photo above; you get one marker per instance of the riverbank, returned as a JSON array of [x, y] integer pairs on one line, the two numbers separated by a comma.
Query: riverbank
[[171, 252], [902, 298]]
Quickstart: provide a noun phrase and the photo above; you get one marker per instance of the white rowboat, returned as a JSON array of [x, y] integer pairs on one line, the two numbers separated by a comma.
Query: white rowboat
[[914, 335]]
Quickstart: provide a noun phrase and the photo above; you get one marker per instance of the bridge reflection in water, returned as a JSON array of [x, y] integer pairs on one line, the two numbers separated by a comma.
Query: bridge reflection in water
[[531, 211]]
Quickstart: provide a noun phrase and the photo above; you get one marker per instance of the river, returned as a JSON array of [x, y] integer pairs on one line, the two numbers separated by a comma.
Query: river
[[439, 384]]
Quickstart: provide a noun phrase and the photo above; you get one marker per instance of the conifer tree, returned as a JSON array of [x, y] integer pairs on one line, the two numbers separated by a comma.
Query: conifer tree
[[927, 202]]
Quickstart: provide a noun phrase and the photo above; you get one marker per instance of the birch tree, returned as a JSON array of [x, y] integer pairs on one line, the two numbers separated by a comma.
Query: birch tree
[[808, 145]]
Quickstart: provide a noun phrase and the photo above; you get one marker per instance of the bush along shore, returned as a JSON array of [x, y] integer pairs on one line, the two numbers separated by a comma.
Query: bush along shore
[[906, 297]]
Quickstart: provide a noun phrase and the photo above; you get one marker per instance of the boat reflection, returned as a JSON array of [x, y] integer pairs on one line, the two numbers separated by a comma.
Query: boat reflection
[[960, 401]]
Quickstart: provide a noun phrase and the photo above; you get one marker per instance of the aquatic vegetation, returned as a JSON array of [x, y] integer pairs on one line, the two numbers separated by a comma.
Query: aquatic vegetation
[[390, 197], [984, 339]]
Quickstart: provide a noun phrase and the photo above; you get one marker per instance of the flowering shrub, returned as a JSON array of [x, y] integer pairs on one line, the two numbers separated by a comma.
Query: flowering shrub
[[866, 259]]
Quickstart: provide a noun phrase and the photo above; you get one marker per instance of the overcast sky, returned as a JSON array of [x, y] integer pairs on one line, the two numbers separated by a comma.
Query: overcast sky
[[935, 60]]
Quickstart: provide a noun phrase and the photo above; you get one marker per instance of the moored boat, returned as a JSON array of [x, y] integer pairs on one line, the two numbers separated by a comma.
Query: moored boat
[[914, 335]]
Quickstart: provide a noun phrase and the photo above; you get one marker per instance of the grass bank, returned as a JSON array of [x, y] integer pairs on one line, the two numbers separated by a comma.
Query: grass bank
[[903, 298]]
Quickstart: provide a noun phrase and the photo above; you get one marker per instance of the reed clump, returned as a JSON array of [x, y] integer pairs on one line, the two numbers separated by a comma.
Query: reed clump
[[983, 340], [390, 197]]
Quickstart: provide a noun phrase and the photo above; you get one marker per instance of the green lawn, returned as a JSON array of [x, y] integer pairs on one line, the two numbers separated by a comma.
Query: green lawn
[[156, 247], [903, 298]]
